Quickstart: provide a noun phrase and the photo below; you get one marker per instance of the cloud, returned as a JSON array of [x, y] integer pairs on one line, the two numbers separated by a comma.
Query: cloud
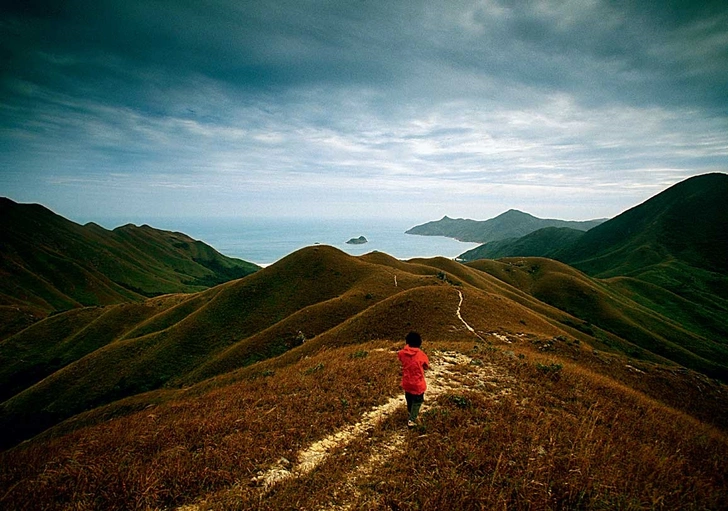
[[476, 104]]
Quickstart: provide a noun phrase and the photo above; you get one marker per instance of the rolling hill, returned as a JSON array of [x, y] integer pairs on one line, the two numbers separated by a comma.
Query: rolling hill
[[50, 264], [687, 223], [668, 254], [511, 224], [603, 306], [546, 242], [86, 358], [55, 368], [550, 388], [280, 389]]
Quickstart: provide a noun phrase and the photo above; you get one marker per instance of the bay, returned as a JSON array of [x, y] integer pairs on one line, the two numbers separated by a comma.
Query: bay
[[266, 240]]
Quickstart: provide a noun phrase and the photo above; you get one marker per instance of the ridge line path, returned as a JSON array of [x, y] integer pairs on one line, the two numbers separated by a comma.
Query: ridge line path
[[449, 371], [460, 317], [446, 374], [311, 457]]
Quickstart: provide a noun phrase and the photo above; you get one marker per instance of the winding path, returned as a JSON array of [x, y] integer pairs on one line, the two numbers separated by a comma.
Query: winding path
[[441, 378], [446, 374], [460, 317], [450, 371]]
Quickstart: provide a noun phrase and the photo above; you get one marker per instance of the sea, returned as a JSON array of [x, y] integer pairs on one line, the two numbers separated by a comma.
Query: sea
[[264, 241]]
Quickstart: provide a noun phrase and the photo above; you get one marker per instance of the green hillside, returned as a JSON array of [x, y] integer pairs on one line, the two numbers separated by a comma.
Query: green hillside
[[319, 296], [281, 390], [546, 242], [606, 310], [49, 264], [688, 222], [236, 323], [667, 254]]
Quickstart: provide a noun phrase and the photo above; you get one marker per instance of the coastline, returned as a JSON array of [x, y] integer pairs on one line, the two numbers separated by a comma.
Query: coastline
[[265, 241]]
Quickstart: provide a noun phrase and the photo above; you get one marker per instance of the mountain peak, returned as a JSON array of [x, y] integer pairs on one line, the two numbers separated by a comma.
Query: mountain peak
[[66, 265], [515, 213], [686, 222]]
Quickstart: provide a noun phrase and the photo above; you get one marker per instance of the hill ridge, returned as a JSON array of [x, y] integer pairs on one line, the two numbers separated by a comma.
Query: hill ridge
[[51, 264], [576, 404], [550, 388], [673, 248], [321, 296], [689, 214]]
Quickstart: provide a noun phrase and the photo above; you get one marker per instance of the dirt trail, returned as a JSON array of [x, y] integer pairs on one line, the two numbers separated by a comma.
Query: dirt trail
[[347, 494], [450, 371], [446, 374], [311, 457], [460, 317]]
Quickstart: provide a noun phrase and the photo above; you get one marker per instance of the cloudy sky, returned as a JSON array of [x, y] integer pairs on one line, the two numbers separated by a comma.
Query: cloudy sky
[[348, 108]]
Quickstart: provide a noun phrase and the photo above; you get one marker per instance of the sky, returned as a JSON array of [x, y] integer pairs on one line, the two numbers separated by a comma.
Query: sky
[[358, 108]]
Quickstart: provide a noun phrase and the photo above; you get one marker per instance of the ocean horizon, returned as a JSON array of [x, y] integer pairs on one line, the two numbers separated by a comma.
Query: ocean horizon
[[264, 241]]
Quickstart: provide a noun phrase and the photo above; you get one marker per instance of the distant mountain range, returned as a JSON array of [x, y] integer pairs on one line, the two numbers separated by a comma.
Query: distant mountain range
[[50, 264], [511, 224]]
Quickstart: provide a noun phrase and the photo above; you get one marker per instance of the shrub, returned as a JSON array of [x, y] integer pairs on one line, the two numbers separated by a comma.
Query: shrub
[[459, 400], [318, 367], [549, 368]]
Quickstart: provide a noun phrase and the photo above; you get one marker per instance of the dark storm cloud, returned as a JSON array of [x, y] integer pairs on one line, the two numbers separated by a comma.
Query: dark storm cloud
[[133, 52], [595, 93], [150, 47]]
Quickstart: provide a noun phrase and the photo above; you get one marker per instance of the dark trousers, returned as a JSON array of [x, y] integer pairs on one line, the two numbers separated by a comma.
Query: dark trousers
[[414, 402]]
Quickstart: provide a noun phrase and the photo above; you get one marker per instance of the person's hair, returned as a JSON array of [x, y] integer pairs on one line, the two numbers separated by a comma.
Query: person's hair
[[413, 339]]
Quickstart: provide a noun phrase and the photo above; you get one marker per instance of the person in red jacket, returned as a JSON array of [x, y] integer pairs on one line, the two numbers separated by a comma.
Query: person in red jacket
[[414, 362]]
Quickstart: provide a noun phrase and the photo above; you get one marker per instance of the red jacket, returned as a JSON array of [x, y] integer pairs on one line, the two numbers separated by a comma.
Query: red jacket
[[414, 362]]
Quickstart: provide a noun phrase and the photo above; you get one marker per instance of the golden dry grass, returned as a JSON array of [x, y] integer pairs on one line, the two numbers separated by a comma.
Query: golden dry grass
[[561, 437], [559, 425], [165, 455]]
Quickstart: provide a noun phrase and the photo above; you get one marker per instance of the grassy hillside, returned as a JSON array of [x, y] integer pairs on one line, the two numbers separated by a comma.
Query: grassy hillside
[[546, 242], [687, 222], [48, 264], [605, 307], [318, 296], [668, 255], [503, 426], [707, 320], [549, 389], [245, 321], [511, 224], [59, 340]]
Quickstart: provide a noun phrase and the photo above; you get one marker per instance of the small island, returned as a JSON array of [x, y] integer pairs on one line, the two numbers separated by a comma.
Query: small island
[[357, 241]]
